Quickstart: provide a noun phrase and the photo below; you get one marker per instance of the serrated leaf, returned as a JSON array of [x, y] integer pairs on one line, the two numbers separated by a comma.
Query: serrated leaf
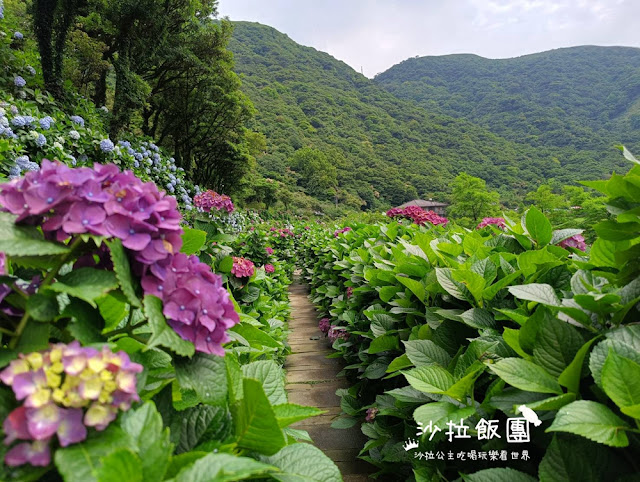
[[625, 341], [288, 413], [222, 468], [552, 403], [620, 380], [122, 269], [498, 475], [445, 279], [161, 333], [430, 379], [383, 343], [113, 309], [87, 284], [414, 286], [206, 374], [591, 420], [25, 241], [192, 241], [573, 459], [525, 375], [303, 462], [478, 318], [270, 375], [570, 377], [43, 306], [426, 352], [123, 464], [539, 292], [538, 226], [556, 345]]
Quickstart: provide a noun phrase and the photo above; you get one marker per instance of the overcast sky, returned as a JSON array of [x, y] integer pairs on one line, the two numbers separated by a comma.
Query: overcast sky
[[376, 34]]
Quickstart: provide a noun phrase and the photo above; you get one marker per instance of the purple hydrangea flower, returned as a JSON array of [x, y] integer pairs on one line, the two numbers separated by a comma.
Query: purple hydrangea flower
[[371, 414], [18, 35], [211, 199], [242, 267], [499, 222], [324, 325], [19, 81], [269, 268], [576, 241], [336, 332]]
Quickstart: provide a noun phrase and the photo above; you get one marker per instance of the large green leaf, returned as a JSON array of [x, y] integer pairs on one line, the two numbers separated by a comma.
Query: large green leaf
[[462, 387], [430, 379], [122, 268], [445, 279], [222, 468], [144, 426], [192, 241], [570, 377], [161, 333], [303, 463], [573, 458], [556, 345], [562, 234], [25, 240], [591, 420], [256, 337], [113, 308], [123, 464], [414, 286], [78, 463], [541, 293], [625, 341], [621, 380], [384, 343], [86, 284], [538, 226], [43, 306], [256, 424], [206, 374], [525, 375], [288, 413], [270, 375], [426, 352]]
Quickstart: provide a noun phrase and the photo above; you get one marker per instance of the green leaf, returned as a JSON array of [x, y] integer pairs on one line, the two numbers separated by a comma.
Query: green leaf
[[439, 413], [574, 458], [627, 154], [445, 279], [426, 352], [414, 286], [222, 468], [161, 333], [538, 226], [123, 464], [562, 234], [256, 337], [512, 338], [384, 343], [603, 252], [122, 269], [303, 463], [192, 241], [87, 284], [591, 420], [113, 308], [614, 231], [525, 375], [541, 293], [25, 240], [478, 318], [399, 363], [43, 306], [571, 375], [78, 463], [462, 387], [472, 281], [256, 424], [270, 376], [388, 292], [144, 426], [430, 379], [225, 265], [206, 374], [621, 380], [498, 475], [552, 403], [556, 345], [198, 424], [288, 413], [625, 341], [35, 337], [179, 462]]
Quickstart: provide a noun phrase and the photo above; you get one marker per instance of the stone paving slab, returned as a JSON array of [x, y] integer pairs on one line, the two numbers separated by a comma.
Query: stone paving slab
[[312, 380]]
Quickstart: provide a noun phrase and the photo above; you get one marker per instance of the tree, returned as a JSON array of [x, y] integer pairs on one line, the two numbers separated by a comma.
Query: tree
[[470, 198], [317, 175], [546, 200]]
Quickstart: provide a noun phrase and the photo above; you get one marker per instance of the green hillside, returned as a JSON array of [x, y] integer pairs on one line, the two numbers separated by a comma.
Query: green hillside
[[584, 97], [384, 150]]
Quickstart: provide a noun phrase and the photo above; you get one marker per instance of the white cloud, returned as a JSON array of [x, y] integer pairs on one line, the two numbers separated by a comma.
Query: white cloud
[[376, 34]]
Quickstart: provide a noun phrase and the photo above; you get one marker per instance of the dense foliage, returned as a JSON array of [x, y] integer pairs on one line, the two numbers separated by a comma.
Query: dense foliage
[[384, 150], [441, 324]]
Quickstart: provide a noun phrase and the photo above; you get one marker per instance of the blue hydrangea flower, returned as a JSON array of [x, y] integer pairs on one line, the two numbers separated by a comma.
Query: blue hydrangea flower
[[124, 143], [156, 157], [76, 119], [32, 166], [83, 158], [29, 120], [41, 140], [73, 160], [45, 122], [154, 147], [106, 145], [14, 172], [19, 81], [4, 121], [104, 109], [14, 110], [138, 156], [75, 135], [31, 70], [18, 121], [18, 35], [136, 164], [22, 161]]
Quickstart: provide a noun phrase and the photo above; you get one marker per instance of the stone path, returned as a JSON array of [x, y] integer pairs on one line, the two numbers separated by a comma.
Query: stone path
[[312, 380]]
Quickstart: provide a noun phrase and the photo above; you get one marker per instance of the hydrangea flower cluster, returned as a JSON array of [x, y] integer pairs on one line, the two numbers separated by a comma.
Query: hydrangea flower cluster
[[371, 414], [576, 241], [269, 250], [106, 145], [324, 325], [499, 222], [18, 35], [46, 122], [76, 119], [349, 291], [102, 201], [19, 81], [195, 302], [340, 231], [336, 332], [57, 386], [242, 267], [211, 199], [269, 268], [417, 215]]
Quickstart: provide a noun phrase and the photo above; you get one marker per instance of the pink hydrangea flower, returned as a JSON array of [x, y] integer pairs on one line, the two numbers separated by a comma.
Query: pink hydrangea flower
[[269, 250], [195, 302], [349, 291], [324, 325], [56, 386], [340, 231], [499, 222], [336, 332], [417, 215], [371, 414], [576, 241], [269, 268], [242, 267], [211, 199]]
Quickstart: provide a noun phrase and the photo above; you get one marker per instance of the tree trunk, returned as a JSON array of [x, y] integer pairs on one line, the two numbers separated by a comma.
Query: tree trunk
[[43, 18]]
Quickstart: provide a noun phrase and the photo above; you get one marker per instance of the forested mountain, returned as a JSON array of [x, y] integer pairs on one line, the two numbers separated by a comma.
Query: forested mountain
[[368, 144], [584, 97]]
